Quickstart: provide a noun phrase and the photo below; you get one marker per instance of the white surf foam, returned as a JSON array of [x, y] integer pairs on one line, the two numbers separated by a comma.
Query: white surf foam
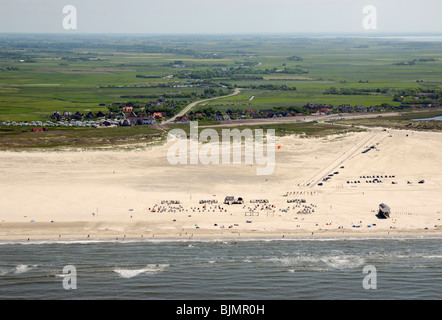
[[149, 269], [23, 268]]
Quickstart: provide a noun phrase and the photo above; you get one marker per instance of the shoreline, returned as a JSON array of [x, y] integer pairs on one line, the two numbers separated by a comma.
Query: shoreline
[[82, 232]]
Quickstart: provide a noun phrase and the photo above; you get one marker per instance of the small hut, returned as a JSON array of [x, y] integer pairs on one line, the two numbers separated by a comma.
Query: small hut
[[384, 210], [232, 200], [229, 200], [125, 123]]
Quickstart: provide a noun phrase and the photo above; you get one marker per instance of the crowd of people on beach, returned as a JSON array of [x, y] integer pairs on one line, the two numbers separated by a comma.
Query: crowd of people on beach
[[208, 201], [268, 208], [260, 205], [289, 193], [259, 201], [170, 202], [174, 208], [160, 209], [305, 209], [296, 200]]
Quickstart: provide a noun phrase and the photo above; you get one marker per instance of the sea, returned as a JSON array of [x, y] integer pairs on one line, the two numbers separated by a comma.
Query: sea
[[254, 269]]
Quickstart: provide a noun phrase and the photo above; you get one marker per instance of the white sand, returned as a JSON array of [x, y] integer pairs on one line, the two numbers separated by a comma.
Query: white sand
[[107, 194]]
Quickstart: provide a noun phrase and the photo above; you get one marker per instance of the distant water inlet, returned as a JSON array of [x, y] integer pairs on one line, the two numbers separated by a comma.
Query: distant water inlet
[[439, 118]]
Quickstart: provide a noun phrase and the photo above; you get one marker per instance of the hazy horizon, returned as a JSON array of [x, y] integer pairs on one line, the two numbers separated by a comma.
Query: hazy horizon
[[221, 17], [282, 34]]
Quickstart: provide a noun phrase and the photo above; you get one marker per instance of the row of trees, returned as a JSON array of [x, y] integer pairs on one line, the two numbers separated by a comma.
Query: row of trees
[[354, 91], [419, 96], [232, 72], [207, 93]]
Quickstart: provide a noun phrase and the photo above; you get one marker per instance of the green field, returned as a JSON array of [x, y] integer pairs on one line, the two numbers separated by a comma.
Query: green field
[[44, 73]]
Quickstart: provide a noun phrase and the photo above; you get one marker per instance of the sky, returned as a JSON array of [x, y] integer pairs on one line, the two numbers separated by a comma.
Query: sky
[[219, 16]]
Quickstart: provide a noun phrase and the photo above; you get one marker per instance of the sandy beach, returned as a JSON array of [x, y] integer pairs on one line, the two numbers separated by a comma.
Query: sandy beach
[[138, 194]]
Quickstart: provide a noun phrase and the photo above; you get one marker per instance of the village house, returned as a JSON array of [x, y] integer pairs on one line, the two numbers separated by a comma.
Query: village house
[[132, 118], [39, 130], [359, 108], [149, 120], [56, 115], [222, 118], [127, 109], [90, 115], [314, 106], [345, 108], [254, 115], [157, 103], [110, 115], [159, 115], [100, 114], [125, 123], [268, 113], [183, 119], [77, 116]]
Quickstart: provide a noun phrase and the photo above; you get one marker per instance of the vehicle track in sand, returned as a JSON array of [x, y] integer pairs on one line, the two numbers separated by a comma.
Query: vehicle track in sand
[[339, 161]]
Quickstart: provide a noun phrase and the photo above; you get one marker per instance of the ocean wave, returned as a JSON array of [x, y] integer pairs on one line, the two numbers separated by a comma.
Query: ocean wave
[[291, 270], [23, 268], [432, 257], [149, 269], [339, 262], [295, 261], [58, 275], [344, 262], [3, 272], [408, 255]]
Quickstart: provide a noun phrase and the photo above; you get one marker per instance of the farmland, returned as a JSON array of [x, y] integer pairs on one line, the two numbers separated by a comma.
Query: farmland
[[40, 74], [81, 72]]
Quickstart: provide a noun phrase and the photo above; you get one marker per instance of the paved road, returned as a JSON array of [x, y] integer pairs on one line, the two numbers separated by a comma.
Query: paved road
[[193, 104]]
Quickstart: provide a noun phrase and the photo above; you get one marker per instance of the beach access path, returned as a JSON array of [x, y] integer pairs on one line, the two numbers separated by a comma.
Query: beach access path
[[195, 103]]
